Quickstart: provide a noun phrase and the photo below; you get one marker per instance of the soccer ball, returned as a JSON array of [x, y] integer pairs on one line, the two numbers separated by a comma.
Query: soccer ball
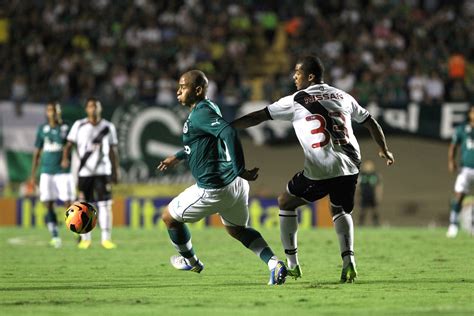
[[81, 217]]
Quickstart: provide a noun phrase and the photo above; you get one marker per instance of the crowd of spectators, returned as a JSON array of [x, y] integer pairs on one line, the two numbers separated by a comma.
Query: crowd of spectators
[[387, 51]]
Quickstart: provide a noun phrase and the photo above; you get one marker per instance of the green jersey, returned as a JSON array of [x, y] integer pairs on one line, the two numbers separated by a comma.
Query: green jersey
[[51, 141], [464, 136], [211, 146]]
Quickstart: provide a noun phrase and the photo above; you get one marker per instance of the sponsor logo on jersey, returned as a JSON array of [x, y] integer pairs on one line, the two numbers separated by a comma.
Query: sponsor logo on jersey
[[216, 123], [50, 146]]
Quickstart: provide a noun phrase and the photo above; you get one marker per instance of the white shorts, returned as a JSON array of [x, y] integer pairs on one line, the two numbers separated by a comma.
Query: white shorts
[[464, 180], [230, 202], [57, 186]]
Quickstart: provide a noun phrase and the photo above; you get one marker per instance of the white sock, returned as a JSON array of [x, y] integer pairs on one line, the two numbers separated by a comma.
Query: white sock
[[184, 248], [453, 217], [272, 263], [86, 236], [105, 219], [345, 232], [53, 229], [288, 236]]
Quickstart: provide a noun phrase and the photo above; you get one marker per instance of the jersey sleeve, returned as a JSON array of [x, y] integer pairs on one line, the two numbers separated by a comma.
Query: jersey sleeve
[[457, 136], [39, 138], [113, 135], [232, 142], [208, 121], [358, 114], [72, 135], [283, 109]]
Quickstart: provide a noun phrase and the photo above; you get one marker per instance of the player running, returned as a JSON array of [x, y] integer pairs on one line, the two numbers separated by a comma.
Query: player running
[[216, 160], [464, 138], [321, 117], [55, 182]]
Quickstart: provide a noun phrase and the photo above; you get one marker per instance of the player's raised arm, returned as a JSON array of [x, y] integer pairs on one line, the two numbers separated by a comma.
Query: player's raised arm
[[251, 119], [378, 136]]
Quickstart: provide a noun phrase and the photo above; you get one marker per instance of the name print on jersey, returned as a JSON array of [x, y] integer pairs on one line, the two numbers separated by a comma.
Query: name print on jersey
[[325, 96]]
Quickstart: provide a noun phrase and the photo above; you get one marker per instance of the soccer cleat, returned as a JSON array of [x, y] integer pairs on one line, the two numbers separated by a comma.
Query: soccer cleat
[[180, 263], [84, 244], [107, 244], [55, 242], [349, 273], [452, 231], [278, 274], [295, 272]]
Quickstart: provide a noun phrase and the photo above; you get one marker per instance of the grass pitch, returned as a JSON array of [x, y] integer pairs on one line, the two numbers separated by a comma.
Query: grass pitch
[[401, 271]]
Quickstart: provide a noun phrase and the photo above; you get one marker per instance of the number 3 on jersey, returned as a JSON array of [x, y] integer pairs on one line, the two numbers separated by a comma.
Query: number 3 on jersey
[[338, 125]]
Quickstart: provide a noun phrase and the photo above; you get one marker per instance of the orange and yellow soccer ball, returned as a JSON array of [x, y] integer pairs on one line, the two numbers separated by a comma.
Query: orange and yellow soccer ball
[[81, 217]]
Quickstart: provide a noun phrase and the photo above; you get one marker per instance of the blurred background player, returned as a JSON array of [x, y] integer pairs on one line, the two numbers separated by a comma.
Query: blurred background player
[[55, 181], [215, 157], [370, 192], [95, 139], [321, 117], [463, 137]]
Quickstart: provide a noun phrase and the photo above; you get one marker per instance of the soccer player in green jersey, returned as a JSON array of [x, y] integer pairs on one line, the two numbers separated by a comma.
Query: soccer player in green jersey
[[216, 160], [55, 182], [370, 192], [464, 138]]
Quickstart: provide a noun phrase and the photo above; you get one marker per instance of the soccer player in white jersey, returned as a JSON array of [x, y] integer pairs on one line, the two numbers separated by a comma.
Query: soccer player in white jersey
[[95, 139], [55, 182], [462, 138], [321, 117]]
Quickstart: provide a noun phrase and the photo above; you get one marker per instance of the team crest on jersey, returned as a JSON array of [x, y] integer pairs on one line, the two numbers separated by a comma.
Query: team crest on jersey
[[185, 127]]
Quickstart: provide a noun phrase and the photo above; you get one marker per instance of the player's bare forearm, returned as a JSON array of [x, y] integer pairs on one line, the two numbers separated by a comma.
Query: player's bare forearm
[[35, 163], [452, 150], [114, 159], [169, 162], [251, 119], [378, 136], [66, 154]]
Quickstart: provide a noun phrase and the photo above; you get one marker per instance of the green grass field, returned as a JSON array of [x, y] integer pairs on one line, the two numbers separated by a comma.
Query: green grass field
[[401, 271]]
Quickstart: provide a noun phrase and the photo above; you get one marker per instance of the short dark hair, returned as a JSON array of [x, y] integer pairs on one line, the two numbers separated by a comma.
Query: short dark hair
[[91, 99], [311, 64], [198, 78]]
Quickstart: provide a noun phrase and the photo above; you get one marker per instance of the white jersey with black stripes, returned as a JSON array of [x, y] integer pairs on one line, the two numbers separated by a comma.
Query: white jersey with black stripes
[[322, 119], [93, 144]]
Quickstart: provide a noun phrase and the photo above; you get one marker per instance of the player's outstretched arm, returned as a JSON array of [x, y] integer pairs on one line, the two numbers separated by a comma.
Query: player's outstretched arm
[[379, 137], [251, 119], [169, 162]]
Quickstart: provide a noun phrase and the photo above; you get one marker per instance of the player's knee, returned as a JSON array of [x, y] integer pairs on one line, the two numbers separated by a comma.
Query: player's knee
[[336, 210], [167, 218], [284, 202]]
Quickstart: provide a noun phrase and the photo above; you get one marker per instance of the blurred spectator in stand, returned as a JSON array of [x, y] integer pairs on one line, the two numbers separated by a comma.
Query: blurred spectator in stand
[[434, 88], [19, 93], [416, 86], [166, 94]]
